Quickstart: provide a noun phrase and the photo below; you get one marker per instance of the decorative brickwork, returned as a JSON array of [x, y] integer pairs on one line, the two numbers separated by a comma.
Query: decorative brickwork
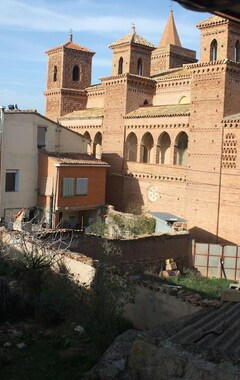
[[229, 156], [168, 125]]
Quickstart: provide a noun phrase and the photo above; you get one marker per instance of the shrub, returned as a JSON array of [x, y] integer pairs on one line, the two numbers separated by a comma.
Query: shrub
[[108, 296], [49, 310], [13, 304]]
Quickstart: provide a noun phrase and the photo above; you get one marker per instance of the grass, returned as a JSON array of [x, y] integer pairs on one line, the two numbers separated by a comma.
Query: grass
[[207, 287], [50, 311]]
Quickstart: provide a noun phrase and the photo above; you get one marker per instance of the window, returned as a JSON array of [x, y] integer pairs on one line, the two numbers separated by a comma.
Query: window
[[12, 180], [82, 186], [55, 74], [76, 74], [140, 66], [181, 149], [68, 187], [213, 50], [131, 147], [237, 52], [41, 137], [120, 66]]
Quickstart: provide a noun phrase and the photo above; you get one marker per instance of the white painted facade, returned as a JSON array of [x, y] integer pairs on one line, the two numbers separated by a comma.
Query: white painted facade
[[19, 156]]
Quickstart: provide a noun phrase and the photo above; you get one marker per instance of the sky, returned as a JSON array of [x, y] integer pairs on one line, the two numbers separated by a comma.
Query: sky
[[29, 28]]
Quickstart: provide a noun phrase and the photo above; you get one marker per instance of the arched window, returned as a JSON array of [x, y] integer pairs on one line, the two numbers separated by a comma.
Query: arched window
[[213, 50], [181, 149], [140, 66], [237, 52], [163, 149], [55, 74], [146, 148], [97, 145], [145, 103], [89, 148], [120, 66], [131, 147], [76, 73]]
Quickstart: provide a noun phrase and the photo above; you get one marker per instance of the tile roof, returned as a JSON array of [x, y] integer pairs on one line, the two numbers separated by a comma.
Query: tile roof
[[171, 73], [132, 38], [231, 118], [82, 159], [89, 113], [71, 45], [170, 34], [165, 110], [213, 20]]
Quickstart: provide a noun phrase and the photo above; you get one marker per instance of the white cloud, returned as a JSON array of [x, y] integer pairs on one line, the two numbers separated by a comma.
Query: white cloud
[[43, 18]]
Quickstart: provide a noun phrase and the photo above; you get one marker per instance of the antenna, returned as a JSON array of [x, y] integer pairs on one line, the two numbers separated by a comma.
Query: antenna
[[171, 5]]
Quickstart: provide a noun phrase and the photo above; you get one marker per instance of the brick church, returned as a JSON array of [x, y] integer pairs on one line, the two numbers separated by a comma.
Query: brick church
[[168, 125]]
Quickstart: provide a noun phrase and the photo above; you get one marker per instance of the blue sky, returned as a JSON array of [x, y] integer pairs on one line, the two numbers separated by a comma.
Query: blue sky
[[29, 28]]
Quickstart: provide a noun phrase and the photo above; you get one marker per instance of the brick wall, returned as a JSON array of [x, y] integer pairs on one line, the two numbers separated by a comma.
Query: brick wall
[[96, 186], [147, 250]]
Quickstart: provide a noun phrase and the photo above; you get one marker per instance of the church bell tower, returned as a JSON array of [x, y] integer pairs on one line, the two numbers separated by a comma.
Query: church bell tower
[[68, 75]]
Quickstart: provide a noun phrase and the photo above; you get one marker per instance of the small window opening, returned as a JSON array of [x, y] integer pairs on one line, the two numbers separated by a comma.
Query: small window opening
[[237, 52], [140, 66], [76, 73], [120, 66], [213, 50], [55, 74]]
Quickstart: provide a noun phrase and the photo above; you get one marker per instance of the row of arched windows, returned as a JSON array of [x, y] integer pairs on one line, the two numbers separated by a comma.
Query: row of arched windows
[[95, 145], [139, 66], [76, 73], [166, 152], [214, 51]]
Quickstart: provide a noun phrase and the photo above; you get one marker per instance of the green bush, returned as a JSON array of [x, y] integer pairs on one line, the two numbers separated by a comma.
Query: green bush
[[108, 296]]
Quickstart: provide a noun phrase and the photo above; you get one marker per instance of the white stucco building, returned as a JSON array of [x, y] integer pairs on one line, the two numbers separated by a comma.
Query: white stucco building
[[23, 133]]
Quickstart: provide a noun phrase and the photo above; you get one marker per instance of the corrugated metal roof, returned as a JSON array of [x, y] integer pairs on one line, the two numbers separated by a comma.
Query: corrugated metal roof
[[75, 159], [214, 333], [155, 111], [167, 216]]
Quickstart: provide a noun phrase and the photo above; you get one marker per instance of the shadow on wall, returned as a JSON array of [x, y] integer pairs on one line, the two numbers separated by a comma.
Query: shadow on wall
[[122, 190], [202, 236]]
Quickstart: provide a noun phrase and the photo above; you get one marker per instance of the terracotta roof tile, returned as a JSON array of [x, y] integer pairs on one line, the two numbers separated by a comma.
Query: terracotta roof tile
[[213, 20], [170, 34], [71, 45], [132, 38], [89, 113], [171, 73], [82, 159], [165, 110]]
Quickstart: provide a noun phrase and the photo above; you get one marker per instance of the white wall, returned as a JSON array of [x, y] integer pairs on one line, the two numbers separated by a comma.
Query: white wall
[[20, 152]]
